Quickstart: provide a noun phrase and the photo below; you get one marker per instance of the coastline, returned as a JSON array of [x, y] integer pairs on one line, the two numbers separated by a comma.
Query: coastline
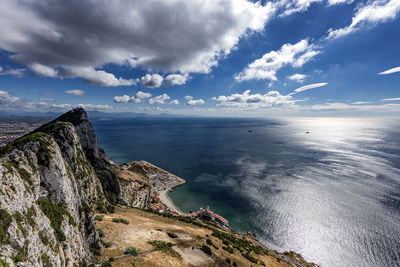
[[164, 198]]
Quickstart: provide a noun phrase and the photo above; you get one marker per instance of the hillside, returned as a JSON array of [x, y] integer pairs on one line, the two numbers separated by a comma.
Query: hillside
[[55, 180]]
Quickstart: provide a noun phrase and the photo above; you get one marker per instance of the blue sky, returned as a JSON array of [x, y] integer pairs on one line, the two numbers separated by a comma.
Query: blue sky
[[226, 57]]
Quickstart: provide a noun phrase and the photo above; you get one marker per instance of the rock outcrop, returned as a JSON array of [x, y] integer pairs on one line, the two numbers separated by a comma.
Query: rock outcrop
[[51, 181]]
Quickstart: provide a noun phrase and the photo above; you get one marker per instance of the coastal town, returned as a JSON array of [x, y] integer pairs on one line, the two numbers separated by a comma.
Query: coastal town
[[13, 128], [147, 186]]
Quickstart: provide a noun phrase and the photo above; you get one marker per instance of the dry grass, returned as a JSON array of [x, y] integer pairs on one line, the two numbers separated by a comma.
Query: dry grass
[[144, 227]]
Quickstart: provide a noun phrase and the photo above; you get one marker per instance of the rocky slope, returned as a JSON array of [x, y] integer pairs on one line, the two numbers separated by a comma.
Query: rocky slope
[[48, 191]]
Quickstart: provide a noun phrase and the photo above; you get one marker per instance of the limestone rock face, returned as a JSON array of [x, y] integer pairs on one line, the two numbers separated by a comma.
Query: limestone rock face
[[48, 191], [88, 140]]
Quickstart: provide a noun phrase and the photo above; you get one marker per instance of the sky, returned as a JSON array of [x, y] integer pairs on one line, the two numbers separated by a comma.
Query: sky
[[202, 57]]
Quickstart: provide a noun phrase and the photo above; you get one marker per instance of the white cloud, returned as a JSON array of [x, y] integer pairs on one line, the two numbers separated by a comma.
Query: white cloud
[[308, 87], [43, 70], [95, 107], [372, 13], [123, 99], [295, 6], [297, 77], [389, 71], [151, 80], [159, 99], [188, 97], [339, 2], [150, 35], [246, 99], [142, 95], [96, 77], [391, 99], [295, 55], [195, 102], [360, 103], [75, 92], [19, 73], [132, 99], [174, 102], [176, 79]]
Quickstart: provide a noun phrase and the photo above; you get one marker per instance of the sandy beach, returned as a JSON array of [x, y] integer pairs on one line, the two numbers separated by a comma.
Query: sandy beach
[[167, 201]]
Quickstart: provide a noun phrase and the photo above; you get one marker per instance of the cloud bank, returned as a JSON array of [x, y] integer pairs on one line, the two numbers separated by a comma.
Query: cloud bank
[[77, 38]]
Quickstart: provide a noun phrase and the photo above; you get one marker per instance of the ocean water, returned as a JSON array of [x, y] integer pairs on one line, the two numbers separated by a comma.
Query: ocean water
[[332, 195]]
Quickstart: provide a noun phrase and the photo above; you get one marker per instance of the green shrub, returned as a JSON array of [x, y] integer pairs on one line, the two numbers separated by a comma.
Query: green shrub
[[206, 249], [120, 220], [43, 236], [95, 248], [30, 216], [229, 249], [46, 260], [5, 221], [228, 260], [19, 219], [165, 247], [209, 242], [172, 235], [106, 264], [101, 233], [249, 257], [4, 264], [131, 251], [99, 217], [55, 212]]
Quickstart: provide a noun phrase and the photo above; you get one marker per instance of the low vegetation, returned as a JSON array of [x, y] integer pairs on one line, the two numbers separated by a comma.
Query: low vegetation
[[131, 251], [56, 213], [165, 247], [120, 220], [5, 221]]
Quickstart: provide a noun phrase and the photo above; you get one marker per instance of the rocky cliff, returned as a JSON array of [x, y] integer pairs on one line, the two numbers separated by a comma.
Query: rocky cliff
[[51, 181]]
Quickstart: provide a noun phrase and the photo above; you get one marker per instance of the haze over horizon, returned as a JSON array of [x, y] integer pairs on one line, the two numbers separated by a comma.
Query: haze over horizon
[[225, 58]]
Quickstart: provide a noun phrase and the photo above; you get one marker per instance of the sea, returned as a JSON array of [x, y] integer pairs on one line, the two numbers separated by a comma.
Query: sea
[[328, 188]]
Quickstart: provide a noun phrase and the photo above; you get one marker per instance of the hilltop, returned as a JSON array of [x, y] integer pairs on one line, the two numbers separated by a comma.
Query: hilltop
[[64, 203]]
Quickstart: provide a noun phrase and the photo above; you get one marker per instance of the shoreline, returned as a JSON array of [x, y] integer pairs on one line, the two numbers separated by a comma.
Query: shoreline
[[164, 198]]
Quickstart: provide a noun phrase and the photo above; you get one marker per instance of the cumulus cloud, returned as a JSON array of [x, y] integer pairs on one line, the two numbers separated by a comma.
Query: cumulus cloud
[[390, 71], [19, 73], [61, 39], [123, 99], [308, 87], [75, 92], [132, 99], [391, 99], [151, 80], [174, 102], [295, 55], [159, 99], [176, 79], [195, 102], [297, 77], [372, 13], [142, 95], [246, 99]]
